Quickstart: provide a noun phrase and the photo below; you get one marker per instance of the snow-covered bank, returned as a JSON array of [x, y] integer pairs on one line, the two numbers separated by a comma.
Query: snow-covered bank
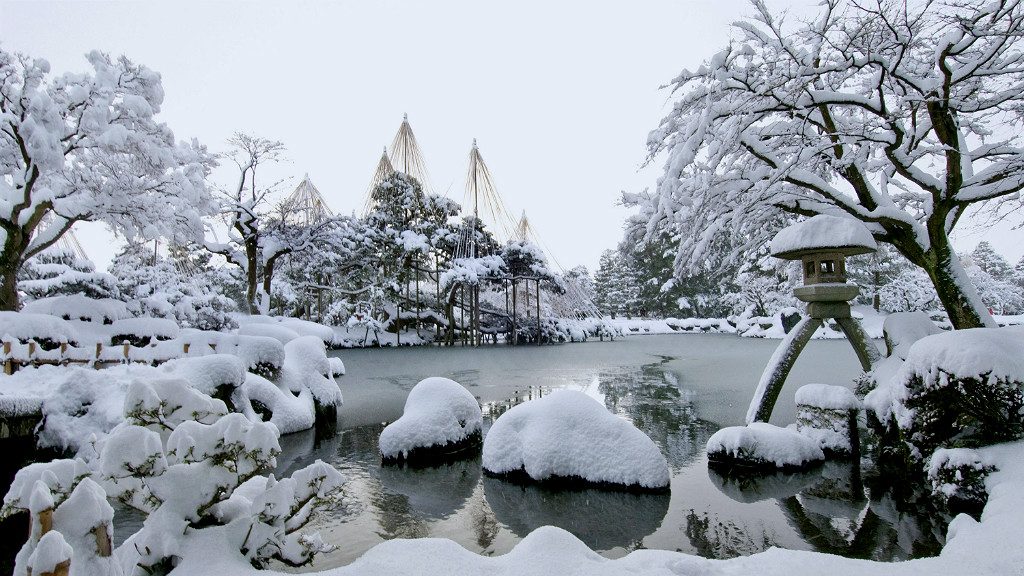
[[766, 326]]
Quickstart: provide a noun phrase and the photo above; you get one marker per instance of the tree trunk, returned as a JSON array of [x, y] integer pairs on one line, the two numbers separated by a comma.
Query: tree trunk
[[956, 292], [9, 289], [251, 256]]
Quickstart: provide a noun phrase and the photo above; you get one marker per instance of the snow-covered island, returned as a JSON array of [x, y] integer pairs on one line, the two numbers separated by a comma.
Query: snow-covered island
[[441, 420]]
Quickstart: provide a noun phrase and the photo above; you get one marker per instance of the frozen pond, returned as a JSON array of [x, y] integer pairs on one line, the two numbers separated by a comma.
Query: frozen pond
[[678, 389]]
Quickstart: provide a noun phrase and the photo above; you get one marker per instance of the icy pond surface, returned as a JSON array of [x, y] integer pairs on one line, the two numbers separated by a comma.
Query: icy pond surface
[[679, 389]]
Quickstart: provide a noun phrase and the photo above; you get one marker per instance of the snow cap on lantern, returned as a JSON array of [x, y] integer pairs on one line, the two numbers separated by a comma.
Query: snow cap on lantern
[[822, 243]]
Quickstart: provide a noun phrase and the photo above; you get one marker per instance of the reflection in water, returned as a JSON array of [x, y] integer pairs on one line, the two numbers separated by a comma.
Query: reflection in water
[[602, 519], [830, 508], [436, 491], [709, 513], [713, 538]]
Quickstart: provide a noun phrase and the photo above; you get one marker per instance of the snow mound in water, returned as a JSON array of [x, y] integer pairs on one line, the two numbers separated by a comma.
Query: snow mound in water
[[437, 412], [568, 434], [762, 444]]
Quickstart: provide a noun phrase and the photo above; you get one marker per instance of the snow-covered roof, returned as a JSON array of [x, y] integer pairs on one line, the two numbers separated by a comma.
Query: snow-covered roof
[[820, 232]]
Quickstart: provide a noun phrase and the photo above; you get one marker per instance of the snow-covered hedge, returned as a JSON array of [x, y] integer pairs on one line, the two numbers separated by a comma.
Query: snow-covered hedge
[[440, 419], [142, 331], [762, 445], [43, 328], [79, 307], [569, 435]]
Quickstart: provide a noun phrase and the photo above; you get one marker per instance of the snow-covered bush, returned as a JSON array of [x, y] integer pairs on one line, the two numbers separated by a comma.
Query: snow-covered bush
[[57, 271], [142, 331], [441, 418], [276, 331], [83, 403], [79, 307], [188, 476], [160, 287], [828, 415], [259, 354], [48, 330], [762, 445], [568, 435], [957, 476], [910, 290], [963, 389], [306, 367], [68, 507]]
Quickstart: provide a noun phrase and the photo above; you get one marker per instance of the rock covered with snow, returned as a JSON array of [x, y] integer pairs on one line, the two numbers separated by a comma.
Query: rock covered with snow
[[440, 417], [824, 416], [569, 435], [902, 329], [823, 232], [827, 397], [760, 444]]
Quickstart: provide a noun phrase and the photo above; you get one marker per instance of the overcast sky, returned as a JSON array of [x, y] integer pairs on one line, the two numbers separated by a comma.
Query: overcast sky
[[560, 95]]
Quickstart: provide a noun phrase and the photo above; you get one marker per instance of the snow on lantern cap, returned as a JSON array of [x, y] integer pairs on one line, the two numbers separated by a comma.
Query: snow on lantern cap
[[823, 233]]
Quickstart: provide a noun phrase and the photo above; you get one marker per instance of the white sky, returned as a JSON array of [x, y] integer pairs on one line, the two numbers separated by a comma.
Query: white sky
[[560, 95]]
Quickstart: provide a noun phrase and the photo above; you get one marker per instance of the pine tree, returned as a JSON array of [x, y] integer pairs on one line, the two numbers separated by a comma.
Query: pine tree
[[986, 258], [56, 272]]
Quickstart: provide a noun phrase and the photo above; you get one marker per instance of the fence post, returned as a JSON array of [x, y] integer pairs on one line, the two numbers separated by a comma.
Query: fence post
[[8, 362], [184, 348], [99, 351]]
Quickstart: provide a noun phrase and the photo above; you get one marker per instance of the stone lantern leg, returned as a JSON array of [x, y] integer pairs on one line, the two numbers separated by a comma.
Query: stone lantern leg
[[822, 244]]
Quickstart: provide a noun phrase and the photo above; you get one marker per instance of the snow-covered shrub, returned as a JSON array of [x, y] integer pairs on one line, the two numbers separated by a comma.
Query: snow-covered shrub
[[440, 418], [278, 405], [164, 404], [47, 330], [56, 271], [79, 307], [173, 288], [569, 435], [306, 367], [218, 375], [828, 415], [259, 354], [85, 402], [68, 507], [957, 476], [963, 389], [277, 331], [902, 329], [762, 445], [142, 331]]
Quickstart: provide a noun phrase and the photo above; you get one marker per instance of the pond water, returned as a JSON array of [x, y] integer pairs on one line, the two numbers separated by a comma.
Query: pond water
[[679, 389]]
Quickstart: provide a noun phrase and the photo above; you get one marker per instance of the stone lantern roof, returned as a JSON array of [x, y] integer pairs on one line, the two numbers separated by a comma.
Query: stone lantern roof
[[823, 233]]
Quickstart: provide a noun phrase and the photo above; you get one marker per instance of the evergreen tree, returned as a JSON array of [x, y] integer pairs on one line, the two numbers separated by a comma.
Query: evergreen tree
[[56, 272], [986, 258]]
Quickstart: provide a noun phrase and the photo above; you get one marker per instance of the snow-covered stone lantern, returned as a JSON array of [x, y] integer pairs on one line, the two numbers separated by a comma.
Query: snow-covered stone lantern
[[821, 243]]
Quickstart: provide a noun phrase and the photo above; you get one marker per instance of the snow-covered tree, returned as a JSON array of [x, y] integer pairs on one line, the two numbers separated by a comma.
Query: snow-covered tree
[[911, 290], [87, 146], [985, 257], [887, 112], [1002, 296], [182, 288], [55, 271], [260, 234], [873, 271]]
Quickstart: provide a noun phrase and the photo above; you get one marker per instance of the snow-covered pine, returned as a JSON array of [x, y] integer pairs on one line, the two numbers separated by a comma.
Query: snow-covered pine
[[88, 146]]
